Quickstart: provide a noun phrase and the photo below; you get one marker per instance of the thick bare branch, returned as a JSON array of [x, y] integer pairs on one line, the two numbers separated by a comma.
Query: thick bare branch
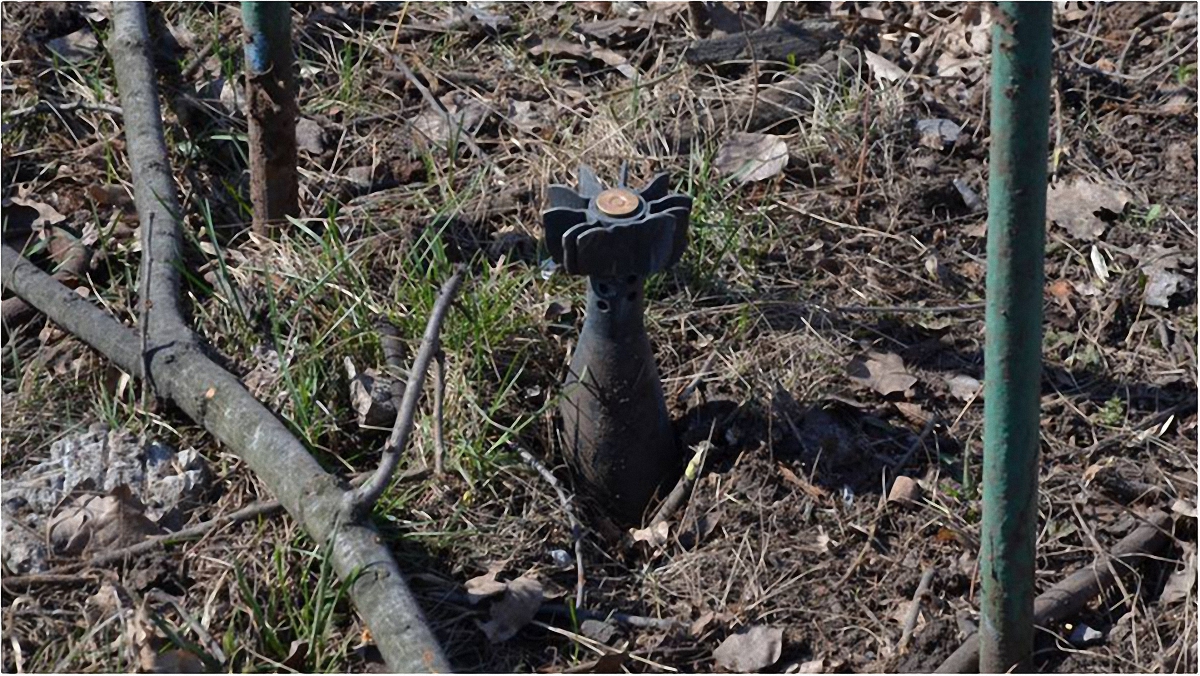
[[71, 311], [1070, 596]]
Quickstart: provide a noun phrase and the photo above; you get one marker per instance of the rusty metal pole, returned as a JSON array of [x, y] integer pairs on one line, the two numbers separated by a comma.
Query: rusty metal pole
[[271, 112], [1020, 110]]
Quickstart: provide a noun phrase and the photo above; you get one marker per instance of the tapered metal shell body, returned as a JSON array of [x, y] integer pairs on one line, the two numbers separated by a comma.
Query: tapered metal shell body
[[617, 432]]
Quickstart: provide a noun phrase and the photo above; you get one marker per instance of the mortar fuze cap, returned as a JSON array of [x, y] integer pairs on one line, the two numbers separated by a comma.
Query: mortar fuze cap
[[610, 232]]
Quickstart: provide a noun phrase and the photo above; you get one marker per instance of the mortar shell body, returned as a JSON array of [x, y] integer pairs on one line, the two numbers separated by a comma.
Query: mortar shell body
[[618, 434]]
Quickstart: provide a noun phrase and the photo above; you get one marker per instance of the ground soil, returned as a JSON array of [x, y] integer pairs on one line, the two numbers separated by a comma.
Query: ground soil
[[869, 241]]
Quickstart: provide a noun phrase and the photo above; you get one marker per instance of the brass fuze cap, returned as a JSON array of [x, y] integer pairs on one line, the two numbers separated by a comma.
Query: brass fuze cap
[[617, 202]]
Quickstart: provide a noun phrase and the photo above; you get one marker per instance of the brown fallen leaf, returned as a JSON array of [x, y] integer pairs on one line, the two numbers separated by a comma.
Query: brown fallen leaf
[[883, 372], [554, 47], [747, 157], [655, 535], [884, 70], [617, 32], [751, 649], [1081, 206], [463, 115], [94, 522], [962, 386], [75, 47], [26, 214], [522, 598], [486, 585], [905, 491], [814, 492], [371, 398], [1179, 586], [310, 137]]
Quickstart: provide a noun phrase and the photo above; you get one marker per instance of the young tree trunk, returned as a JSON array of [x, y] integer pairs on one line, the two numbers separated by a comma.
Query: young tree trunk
[[271, 112]]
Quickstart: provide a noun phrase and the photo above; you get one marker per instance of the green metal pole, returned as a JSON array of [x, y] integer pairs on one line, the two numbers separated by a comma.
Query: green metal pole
[[1012, 357]]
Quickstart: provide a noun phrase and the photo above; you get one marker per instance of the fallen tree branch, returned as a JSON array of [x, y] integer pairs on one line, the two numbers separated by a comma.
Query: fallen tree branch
[[71, 572], [360, 499], [73, 263], [683, 488], [52, 107], [71, 311], [798, 42], [212, 396], [1070, 596], [914, 610]]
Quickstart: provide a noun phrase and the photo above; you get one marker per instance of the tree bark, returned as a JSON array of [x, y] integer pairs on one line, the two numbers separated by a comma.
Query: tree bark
[[271, 113]]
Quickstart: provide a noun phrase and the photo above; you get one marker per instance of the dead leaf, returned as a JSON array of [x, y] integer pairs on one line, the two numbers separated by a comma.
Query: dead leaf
[[751, 649], [371, 397], [970, 198], [1098, 263], [816, 666], [310, 137], [75, 47], [1179, 585], [600, 8], [814, 492], [111, 195], [872, 14], [598, 630], [1184, 508], [1160, 286], [480, 588], [21, 215], [297, 653], [463, 115], [557, 308], [950, 66], [884, 70], [617, 31], [655, 535], [1061, 289], [526, 116], [938, 133], [698, 625], [963, 387], [748, 157], [522, 598], [559, 48], [1081, 206], [94, 522], [905, 491], [1158, 264], [883, 372], [493, 22], [772, 9]]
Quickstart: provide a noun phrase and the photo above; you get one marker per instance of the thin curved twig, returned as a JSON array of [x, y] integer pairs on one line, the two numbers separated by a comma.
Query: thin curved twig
[[576, 530], [361, 498]]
